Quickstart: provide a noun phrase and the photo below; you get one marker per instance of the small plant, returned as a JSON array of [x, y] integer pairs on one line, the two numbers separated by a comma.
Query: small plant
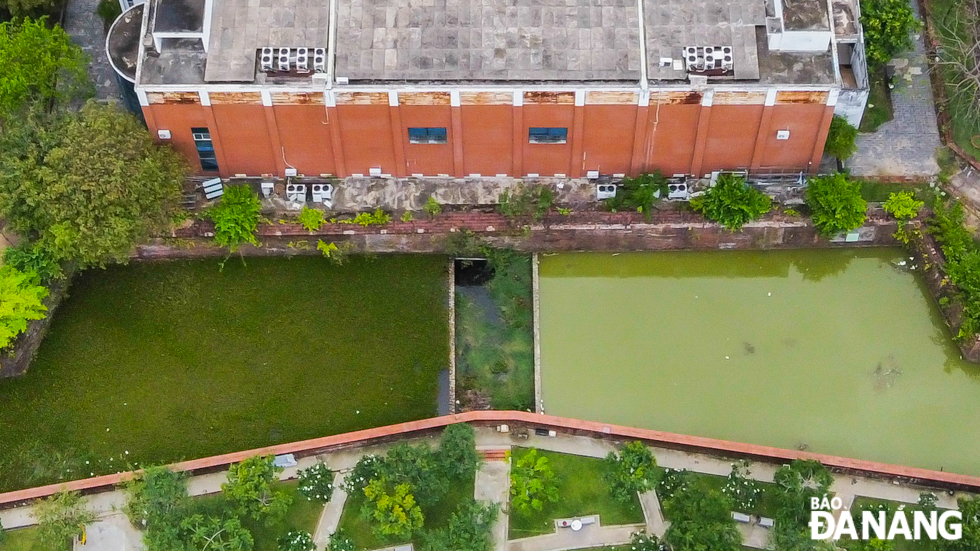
[[376, 218], [432, 207], [791, 212], [526, 203], [564, 211], [532, 483], [732, 202], [33, 257], [903, 205], [296, 541], [60, 518], [311, 219], [639, 194], [464, 243], [407, 216], [743, 491], [236, 217], [633, 471], [339, 541], [338, 254], [840, 138], [836, 204], [21, 302], [316, 483]]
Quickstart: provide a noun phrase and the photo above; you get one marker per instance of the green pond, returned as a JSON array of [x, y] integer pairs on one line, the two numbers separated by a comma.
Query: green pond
[[838, 351]]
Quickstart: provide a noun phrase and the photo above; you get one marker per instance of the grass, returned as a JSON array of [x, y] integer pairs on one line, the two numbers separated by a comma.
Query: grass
[[359, 530], [879, 109], [878, 192], [157, 362], [494, 337], [22, 539], [581, 491]]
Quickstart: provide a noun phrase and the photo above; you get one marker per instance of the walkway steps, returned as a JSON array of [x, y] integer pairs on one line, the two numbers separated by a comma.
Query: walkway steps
[[494, 455]]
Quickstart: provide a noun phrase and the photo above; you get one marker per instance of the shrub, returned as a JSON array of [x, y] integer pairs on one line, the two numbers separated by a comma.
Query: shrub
[[22, 302], [464, 243], [532, 483], [395, 513], [59, 519], [701, 519], [337, 254], [903, 205], [642, 542], [732, 202], [457, 451], [311, 219], [836, 204], [296, 541], [524, 203], [840, 138], [743, 491], [236, 217], [639, 194], [108, 10], [468, 529], [250, 488], [633, 471], [796, 484], [339, 541], [407, 216], [33, 257], [316, 483], [888, 26], [157, 498], [432, 207], [206, 532]]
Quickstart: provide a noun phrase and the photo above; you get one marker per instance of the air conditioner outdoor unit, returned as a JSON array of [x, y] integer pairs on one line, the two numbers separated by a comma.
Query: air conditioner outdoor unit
[[302, 59], [267, 188], [283, 59], [265, 60], [605, 191], [320, 59], [323, 193], [693, 58], [296, 193], [727, 58], [678, 191]]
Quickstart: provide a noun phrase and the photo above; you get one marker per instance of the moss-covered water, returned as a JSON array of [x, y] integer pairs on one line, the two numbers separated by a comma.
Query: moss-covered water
[[838, 351]]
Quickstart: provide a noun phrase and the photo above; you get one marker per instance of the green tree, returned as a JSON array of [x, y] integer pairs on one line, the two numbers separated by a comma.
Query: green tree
[[532, 483], [396, 513], [903, 205], [836, 204], [457, 452], [840, 138], [732, 202], [21, 302], [888, 27], [236, 217], [90, 186], [796, 484], [417, 466], [701, 519], [970, 540], [250, 487], [60, 518], [41, 65], [468, 529], [208, 533], [157, 505], [632, 471]]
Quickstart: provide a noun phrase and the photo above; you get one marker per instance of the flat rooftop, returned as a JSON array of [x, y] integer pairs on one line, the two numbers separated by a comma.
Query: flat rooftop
[[490, 41]]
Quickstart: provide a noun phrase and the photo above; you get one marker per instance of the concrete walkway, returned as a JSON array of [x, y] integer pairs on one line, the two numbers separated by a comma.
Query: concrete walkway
[[589, 536], [85, 28], [493, 486], [330, 517], [905, 145]]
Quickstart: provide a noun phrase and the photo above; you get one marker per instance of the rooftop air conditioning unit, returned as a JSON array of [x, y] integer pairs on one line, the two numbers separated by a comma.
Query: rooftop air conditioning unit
[[678, 191], [302, 59], [265, 60], [283, 59], [712, 58], [323, 193], [727, 58], [605, 191], [320, 60], [693, 58], [296, 193]]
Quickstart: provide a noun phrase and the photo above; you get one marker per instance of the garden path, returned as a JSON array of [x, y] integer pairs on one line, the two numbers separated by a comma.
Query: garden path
[[330, 517], [493, 486], [654, 516], [86, 30], [589, 536]]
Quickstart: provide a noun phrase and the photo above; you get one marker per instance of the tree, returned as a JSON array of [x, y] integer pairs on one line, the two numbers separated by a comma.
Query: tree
[[41, 65], [903, 205], [958, 25], [236, 217], [701, 519], [633, 471], [417, 466], [157, 505], [250, 487], [90, 185], [532, 483], [207, 533], [796, 484], [732, 202], [970, 541], [60, 518], [840, 138], [21, 300], [836, 204], [396, 513], [743, 491], [468, 529], [888, 27], [457, 452]]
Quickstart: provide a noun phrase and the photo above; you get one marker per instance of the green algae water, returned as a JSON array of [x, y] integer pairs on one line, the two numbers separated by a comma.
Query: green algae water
[[835, 351]]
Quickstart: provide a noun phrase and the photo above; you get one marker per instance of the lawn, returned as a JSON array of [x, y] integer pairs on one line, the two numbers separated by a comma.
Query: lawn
[[358, 529], [19, 540], [878, 192], [581, 491], [879, 109], [157, 362]]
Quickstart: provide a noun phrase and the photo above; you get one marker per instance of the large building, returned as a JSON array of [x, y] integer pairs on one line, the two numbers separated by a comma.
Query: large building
[[469, 88]]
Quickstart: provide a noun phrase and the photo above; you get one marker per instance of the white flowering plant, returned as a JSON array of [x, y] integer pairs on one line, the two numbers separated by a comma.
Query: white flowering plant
[[316, 483], [339, 541], [745, 493], [296, 541]]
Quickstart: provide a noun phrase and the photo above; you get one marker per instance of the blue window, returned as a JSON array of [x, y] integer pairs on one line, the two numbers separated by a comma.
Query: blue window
[[427, 135], [547, 135], [205, 149]]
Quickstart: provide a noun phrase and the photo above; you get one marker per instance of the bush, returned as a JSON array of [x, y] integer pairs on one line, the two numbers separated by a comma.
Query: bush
[[962, 260], [840, 138], [376, 218], [432, 207], [642, 542], [457, 452], [22, 301], [903, 205], [523, 204], [633, 471], [468, 530], [701, 519], [236, 217], [59, 519], [532, 483], [639, 194], [732, 202], [296, 541], [250, 489], [339, 541], [316, 483], [888, 27], [836, 204], [311, 219], [395, 513], [743, 491], [33, 257]]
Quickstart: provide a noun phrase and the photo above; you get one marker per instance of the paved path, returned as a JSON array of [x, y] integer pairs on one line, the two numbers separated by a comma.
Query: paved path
[[589, 536], [493, 486], [85, 28], [330, 517], [656, 524], [906, 145]]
